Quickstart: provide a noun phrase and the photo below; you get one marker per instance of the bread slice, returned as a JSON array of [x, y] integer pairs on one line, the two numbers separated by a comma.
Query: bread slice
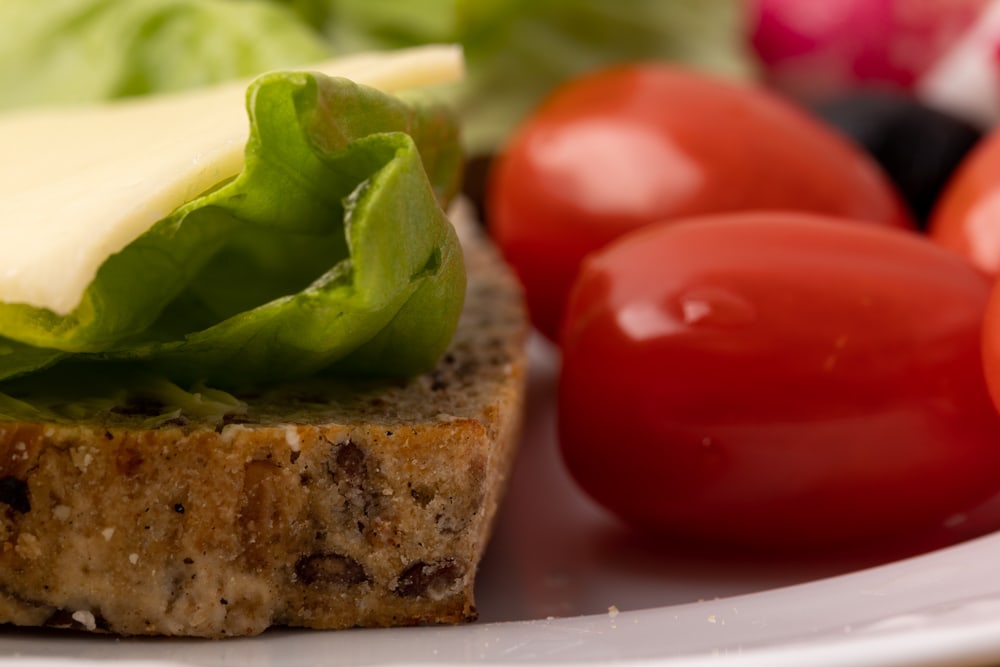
[[324, 505]]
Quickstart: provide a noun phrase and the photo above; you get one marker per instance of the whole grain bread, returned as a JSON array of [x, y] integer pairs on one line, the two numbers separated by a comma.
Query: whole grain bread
[[321, 505]]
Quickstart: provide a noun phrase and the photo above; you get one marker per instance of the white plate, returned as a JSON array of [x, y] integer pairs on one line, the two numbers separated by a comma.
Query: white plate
[[563, 583]]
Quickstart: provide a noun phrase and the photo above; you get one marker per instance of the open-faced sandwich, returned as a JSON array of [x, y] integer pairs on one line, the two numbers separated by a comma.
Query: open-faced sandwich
[[249, 374]]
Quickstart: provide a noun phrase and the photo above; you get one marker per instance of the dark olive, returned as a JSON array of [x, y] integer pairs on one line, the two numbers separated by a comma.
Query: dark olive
[[919, 147]]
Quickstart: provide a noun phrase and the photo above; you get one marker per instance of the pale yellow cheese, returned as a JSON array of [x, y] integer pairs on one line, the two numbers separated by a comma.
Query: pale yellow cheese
[[77, 185]]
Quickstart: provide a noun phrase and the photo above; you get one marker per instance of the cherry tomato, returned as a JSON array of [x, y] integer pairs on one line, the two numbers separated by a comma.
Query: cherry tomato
[[778, 380], [991, 345], [967, 216], [637, 144]]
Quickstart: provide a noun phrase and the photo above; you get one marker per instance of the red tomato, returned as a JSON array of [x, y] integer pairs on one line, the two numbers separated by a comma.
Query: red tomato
[[991, 345], [967, 216], [775, 380], [637, 144]]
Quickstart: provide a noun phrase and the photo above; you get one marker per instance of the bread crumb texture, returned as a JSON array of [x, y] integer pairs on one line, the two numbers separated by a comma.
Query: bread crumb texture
[[322, 506]]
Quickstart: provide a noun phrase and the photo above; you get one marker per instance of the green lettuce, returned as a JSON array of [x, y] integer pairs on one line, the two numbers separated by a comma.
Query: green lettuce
[[71, 51], [72, 394], [329, 251]]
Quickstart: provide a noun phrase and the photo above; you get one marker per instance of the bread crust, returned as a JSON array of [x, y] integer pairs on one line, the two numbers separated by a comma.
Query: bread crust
[[325, 505]]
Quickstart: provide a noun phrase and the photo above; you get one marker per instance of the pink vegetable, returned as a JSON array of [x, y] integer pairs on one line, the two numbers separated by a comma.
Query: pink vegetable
[[814, 49]]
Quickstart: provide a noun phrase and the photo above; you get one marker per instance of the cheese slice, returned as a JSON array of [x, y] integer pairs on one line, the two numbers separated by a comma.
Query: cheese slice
[[79, 184]]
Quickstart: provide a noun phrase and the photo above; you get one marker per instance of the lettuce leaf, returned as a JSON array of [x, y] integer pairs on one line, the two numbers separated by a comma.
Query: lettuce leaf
[[330, 243], [72, 51]]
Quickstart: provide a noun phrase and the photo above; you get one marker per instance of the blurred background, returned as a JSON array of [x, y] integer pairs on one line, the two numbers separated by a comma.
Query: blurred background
[[841, 57], [943, 52]]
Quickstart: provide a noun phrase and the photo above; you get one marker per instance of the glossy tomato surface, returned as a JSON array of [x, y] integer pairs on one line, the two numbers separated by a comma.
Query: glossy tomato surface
[[778, 380], [967, 216], [991, 345], [637, 144]]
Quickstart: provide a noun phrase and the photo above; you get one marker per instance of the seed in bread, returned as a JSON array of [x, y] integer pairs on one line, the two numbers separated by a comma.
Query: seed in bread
[[319, 504]]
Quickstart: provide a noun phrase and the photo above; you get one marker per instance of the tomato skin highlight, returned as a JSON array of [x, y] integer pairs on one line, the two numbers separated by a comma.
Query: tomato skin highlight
[[777, 380], [636, 144], [966, 217]]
